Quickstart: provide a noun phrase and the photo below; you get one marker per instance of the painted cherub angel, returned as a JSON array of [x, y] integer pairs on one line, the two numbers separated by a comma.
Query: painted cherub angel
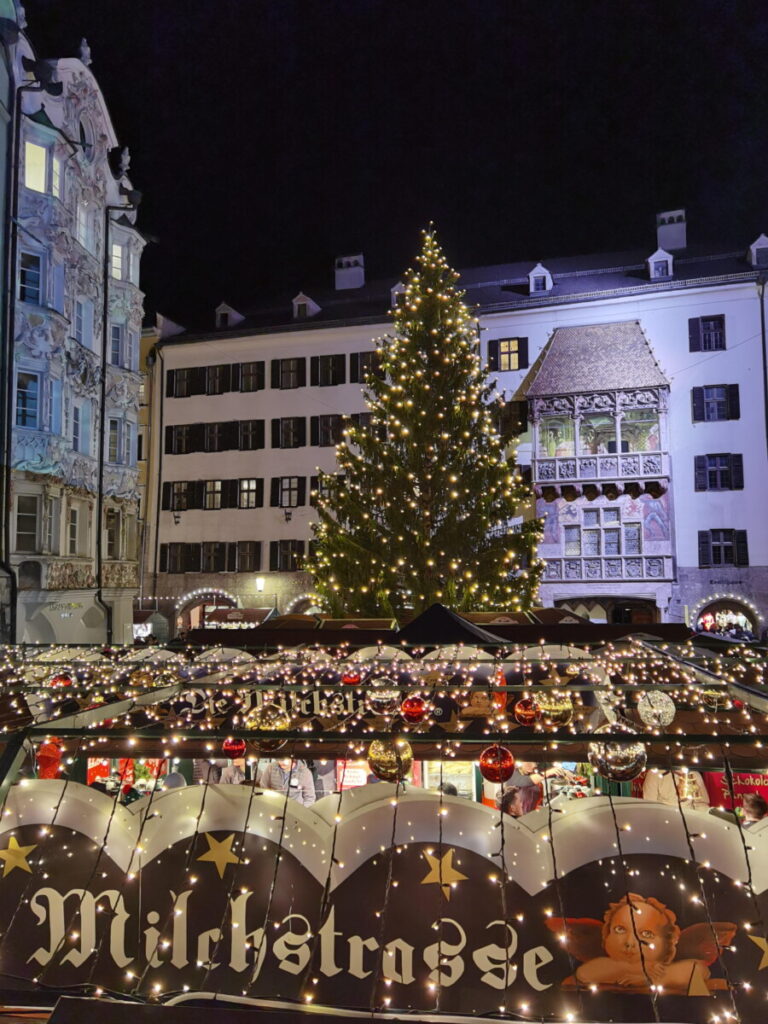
[[639, 944]]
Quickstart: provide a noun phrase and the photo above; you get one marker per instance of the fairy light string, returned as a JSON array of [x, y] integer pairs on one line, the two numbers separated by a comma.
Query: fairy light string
[[378, 974]]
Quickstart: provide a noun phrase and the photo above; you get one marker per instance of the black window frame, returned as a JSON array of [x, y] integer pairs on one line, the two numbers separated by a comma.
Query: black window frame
[[707, 333]]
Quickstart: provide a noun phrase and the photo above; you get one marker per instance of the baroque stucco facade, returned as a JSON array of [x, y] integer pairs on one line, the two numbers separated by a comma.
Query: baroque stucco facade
[[75, 323]]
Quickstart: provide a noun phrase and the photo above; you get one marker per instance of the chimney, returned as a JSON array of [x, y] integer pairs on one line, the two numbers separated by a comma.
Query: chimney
[[670, 230], [350, 272]]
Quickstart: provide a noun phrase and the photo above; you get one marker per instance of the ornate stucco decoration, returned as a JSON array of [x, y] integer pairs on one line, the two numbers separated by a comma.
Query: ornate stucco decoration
[[83, 371], [122, 390], [70, 576]]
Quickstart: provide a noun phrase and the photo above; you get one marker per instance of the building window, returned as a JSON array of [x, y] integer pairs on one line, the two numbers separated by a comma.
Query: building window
[[326, 431], [301, 310], [116, 344], [248, 556], [114, 437], [27, 399], [722, 472], [761, 256], [286, 555], [112, 530], [117, 261], [716, 402], [251, 435], [289, 491], [706, 334], [327, 371], [79, 334], [572, 540], [361, 364], [56, 177], [214, 556], [661, 268], [539, 283], [289, 432], [76, 438], [723, 547], [84, 225], [182, 383], [508, 354], [212, 494], [289, 373], [179, 496], [222, 320], [73, 517], [632, 538], [249, 494], [182, 439], [252, 376], [213, 436], [27, 506], [128, 435], [217, 379], [35, 167], [131, 346], [31, 278], [176, 557]]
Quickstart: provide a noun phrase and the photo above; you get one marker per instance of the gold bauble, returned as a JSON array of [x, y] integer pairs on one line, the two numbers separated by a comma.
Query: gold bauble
[[270, 718], [390, 760], [556, 708]]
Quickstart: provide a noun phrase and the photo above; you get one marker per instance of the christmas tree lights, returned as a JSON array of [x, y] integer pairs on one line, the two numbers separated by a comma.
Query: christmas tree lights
[[422, 508]]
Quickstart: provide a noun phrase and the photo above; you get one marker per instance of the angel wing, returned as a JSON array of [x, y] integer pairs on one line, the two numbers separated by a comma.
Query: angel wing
[[583, 935], [698, 942]]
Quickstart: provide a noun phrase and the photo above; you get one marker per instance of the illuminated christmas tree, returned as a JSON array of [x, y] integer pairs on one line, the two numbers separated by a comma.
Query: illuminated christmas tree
[[426, 504]]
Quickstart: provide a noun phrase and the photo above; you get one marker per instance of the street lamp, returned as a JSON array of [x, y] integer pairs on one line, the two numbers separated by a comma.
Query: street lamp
[[260, 583]]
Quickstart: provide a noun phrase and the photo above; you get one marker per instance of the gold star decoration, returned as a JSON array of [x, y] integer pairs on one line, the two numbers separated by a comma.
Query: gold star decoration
[[16, 856], [442, 871], [759, 941], [219, 852]]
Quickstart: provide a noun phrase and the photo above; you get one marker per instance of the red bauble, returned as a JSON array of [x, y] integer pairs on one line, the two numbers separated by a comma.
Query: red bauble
[[233, 747], [497, 763], [527, 711], [62, 679], [414, 709], [351, 678]]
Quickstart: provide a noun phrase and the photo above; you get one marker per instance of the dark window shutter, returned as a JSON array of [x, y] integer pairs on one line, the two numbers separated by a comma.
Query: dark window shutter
[[230, 493], [694, 334], [740, 543], [197, 384], [697, 402], [166, 503], [493, 355], [298, 551], [259, 493], [339, 370], [260, 375], [302, 495], [257, 556], [231, 557], [274, 495], [522, 353], [226, 377], [230, 435], [163, 558], [276, 434], [302, 432], [236, 373], [274, 556], [354, 367], [275, 373], [737, 472], [314, 430], [302, 373], [259, 433], [314, 371], [196, 494], [734, 407], [192, 557], [169, 440], [170, 383], [700, 477], [705, 549], [314, 483], [197, 437]]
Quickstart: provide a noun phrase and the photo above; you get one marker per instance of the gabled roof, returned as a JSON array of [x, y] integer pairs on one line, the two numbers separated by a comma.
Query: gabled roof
[[599, 357], [439, 625]]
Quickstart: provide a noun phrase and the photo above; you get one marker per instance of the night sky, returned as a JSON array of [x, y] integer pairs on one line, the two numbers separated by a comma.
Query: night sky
[[269, 136]]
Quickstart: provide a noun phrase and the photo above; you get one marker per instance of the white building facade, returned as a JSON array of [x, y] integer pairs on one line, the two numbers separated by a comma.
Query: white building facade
[[639, 382], [75, 325]]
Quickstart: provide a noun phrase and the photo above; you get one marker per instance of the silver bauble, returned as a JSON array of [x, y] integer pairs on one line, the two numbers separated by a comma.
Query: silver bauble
[[656, 709], [616, 761]]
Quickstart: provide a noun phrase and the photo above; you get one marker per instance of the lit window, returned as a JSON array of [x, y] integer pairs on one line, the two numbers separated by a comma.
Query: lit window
[[509, 354], [248, 493], [35, 166], [117, 261], [289, 491]]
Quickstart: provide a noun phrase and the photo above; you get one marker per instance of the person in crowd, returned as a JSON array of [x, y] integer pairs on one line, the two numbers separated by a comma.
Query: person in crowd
[[665, 786], [232, 774], [755, 808], [519, 800], [284, 775]]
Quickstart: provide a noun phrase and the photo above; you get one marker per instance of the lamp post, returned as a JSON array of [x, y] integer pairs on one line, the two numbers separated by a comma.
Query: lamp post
[[260, 583]]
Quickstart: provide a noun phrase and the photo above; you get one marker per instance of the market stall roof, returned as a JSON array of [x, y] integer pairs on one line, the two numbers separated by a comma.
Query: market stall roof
[[253, 616], [439, 625], [358, 624]]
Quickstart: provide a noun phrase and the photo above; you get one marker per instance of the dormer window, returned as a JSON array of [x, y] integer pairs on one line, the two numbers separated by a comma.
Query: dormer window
[[223, 320], [397, 296], [301, 311], [304, 307], [660, 265], [758, 252], [227, 317], [539, 280]]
